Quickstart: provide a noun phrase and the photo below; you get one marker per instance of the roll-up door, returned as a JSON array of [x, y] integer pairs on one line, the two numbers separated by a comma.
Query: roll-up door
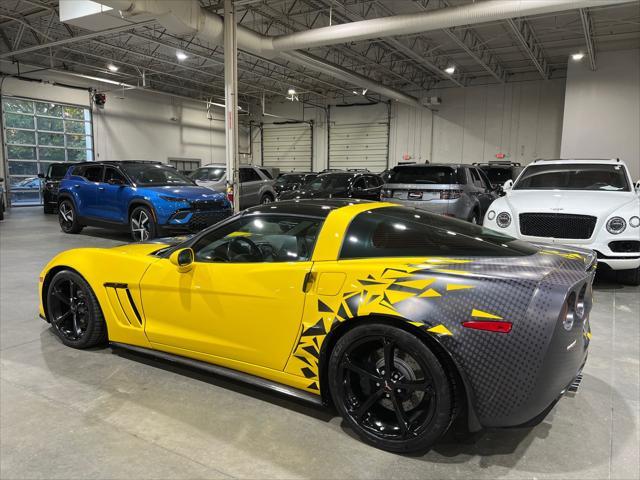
[[288, 146], [359, 137]]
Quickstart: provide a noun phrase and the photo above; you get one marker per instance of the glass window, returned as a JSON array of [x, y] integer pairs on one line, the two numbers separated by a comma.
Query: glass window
[[93, 173], [21, 137], [249, 175], [260, 238], [475, 177], [113, 176], [56, 171], [155, 175], [49, 124], [408, 232], [573, 176], [332, 182], [266, 173], [427, 175], [30, 123]]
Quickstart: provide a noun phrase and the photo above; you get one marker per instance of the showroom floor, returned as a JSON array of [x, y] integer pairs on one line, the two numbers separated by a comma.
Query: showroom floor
[[95, 414]]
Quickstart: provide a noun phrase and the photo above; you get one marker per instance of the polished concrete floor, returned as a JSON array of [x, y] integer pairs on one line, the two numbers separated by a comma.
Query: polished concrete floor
[[96, 414]]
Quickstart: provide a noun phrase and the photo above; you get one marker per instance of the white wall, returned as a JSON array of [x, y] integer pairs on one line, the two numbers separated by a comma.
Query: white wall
[[602, 109]]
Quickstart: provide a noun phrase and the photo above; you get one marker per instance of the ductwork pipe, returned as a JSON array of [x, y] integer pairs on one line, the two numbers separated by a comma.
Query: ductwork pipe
[[187, 17]]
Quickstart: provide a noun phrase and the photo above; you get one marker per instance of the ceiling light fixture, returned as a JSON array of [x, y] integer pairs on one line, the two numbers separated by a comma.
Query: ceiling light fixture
[[577, 56], [291, 91], [450, 70], [112, 67], [181, 55]]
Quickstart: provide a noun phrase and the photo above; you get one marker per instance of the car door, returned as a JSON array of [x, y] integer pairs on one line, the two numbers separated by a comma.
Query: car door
[[359, 188], [373, 187], [486, 193], [235, 302], [112, 195], [250, 183], [85, 189]]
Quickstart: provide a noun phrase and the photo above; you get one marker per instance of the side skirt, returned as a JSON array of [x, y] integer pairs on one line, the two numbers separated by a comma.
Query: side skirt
[[224, 372]]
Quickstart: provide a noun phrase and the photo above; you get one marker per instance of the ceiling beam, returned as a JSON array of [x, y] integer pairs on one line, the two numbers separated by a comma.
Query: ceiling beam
[[524, 34], [471, 44], [587, 29]]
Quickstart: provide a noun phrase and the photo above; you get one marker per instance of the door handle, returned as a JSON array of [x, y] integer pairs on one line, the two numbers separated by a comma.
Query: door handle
[[76, 185], [100, 188]]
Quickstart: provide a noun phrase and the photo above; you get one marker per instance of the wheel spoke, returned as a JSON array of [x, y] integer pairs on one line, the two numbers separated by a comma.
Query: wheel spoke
[[389, 352], [349, 365], [76, 328], [368, 403], [60, 296], [58, 320], [403, 422]]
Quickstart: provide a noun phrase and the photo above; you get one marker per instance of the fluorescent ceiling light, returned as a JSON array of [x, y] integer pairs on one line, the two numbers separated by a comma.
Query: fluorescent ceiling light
[[577, 56], [450, 70], [112, 67], [181, 55]]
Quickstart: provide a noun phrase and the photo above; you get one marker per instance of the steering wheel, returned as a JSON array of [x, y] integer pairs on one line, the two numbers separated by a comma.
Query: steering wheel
[[242, 248]]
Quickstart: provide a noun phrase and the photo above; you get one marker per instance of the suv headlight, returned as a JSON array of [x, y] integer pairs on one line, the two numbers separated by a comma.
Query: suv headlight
[[503, 219], [491, 215], [173, 199], [616, 225], [634, 222]]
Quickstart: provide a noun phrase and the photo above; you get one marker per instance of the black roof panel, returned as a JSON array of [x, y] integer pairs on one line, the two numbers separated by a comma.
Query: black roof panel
[[311, 207]]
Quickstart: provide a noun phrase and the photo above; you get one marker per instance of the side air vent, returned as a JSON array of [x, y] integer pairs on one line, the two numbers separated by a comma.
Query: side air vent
[[123, 303]]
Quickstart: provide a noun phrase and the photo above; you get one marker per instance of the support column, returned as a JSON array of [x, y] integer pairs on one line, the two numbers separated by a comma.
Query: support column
[[231, 103]]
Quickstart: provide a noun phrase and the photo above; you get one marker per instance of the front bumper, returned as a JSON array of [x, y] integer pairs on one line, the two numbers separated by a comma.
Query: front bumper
[[191, 221]]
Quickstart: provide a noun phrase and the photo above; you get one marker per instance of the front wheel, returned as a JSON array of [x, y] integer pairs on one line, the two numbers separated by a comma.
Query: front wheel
[[142, 226], [68, 218], [74, 312], [629, 277], [390, 388]]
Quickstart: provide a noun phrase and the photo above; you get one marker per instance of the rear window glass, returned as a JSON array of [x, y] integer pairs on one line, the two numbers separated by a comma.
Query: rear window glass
[[57, 171], [427, 175], [498, 175], [408, 232]]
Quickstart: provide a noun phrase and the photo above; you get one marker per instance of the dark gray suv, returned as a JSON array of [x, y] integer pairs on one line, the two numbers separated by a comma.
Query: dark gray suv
[[454, 190]]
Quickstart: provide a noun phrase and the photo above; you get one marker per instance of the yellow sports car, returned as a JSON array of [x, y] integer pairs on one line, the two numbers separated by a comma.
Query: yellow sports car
[[403, 320]]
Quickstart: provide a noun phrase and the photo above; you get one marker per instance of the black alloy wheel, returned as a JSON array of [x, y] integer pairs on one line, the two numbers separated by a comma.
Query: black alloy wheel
[[68, 218], [390, 388], [143, 227], [74, 312]]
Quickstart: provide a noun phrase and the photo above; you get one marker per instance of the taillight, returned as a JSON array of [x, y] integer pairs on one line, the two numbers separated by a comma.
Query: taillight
[[500, 327], [450, 194], [230, 194]]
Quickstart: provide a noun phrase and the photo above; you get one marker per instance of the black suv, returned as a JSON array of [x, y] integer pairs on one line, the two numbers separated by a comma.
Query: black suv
[[500, 171], [342, 184], [292, 181], [55, 173]]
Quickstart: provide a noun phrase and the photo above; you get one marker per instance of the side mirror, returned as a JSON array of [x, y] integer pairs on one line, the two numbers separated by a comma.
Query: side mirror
[[637, 187], [41, 175], [508, 185], [115, 181], [183, 259]]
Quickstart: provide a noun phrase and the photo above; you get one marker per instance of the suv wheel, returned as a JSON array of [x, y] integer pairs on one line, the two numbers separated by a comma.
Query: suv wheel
[[266, 198], [68, 217], [143, 227]]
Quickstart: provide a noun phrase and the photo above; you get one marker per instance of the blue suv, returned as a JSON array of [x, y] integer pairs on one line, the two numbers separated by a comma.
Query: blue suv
[[147, 198]]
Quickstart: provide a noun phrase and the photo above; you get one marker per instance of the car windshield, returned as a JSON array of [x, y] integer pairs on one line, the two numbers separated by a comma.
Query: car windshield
[[409, 232], [498, 175], [573, 176], [57, 171], [428, 175], [333, 182], [154, 175], [212, 174], [287, 179]]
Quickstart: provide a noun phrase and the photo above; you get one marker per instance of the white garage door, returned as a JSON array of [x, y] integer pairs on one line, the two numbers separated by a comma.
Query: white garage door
[[287, 146], [359, 137]]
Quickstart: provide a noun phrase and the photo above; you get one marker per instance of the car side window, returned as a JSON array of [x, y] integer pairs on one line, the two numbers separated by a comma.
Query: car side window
[[266, 173], [359, 184], [114, 177], [475, 177], [260, 238], [485, 180], [249, 175], [93, 173]]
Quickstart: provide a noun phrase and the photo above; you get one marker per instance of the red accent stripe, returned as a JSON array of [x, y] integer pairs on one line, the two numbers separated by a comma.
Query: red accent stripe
[[500, 327]]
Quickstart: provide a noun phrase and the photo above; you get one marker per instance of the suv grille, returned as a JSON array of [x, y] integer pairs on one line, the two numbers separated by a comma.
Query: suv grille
[[201, 220], [206, 205], [557, 225]]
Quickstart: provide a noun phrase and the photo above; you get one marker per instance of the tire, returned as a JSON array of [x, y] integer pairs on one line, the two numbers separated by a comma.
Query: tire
[[373, 402], [141, 224], [74, 311], [68, 217], [629, 277], [475, 218], [266, 198]]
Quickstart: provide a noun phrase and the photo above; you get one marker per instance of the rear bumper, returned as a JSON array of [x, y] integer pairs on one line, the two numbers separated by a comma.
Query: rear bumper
[[452, 208]]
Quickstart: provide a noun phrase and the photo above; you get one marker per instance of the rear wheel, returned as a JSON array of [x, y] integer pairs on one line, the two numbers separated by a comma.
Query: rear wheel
[[266, 198], [390, 388], [68, 218], [143, 227], [74, 312], [629, 277]]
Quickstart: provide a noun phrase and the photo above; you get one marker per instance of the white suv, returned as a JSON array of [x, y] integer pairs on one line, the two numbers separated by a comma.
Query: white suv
[[585, 203]]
